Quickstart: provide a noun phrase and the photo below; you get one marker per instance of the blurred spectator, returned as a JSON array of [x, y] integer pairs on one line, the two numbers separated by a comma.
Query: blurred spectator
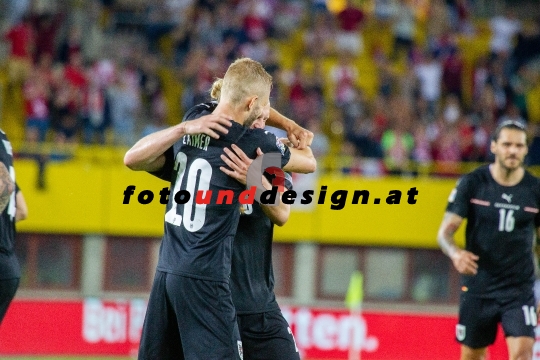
[[447, 151], [503, 29], [363, 136], [344, 76], [480, 76], [349, 38], [519, 86], [75, 73], [349, 161], [16, 9], [404, 27], [499, 85], [320, 37], [95, 112], [397, 142], [534, 149], [422, 152], [528, 45], [123, 106], [452, 109], [438, 21], [429, 75], [72, 45], [22, 40], [512, 113], [36, 95], [452, 77], [256, 19], [320, 145], [46, 27], [65, 113]]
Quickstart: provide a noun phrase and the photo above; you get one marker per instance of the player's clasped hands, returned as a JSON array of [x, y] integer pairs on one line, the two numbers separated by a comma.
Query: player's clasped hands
[[465, 262], [299, 137]]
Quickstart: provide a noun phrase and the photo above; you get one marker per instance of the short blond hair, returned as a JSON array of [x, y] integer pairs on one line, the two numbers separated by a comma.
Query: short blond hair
[[244, 77]]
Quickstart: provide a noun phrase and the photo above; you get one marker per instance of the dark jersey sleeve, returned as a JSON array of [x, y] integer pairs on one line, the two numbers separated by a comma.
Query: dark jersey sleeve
[[165, 173], [458, 201], [270, 143]]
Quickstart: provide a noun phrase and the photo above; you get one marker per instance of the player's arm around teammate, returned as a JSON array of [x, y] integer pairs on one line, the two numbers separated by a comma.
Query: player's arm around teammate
[[148, 153]]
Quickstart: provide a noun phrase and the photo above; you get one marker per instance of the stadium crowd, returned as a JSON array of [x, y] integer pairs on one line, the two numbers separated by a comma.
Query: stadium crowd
[[92, 72]]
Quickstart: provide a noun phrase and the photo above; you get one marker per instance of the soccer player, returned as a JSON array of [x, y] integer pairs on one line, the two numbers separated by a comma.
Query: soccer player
[[265, 333], [501, 202], [13, 208], [190, 313]]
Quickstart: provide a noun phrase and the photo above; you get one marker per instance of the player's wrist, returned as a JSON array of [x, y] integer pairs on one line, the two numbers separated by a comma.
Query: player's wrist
[[453, 251], [182, 129]]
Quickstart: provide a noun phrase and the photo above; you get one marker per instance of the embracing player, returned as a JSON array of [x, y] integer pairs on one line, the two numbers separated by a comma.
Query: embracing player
[[190, 312]]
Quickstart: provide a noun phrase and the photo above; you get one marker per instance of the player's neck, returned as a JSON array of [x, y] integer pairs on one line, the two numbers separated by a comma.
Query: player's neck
[[228, 110], [504, 176]]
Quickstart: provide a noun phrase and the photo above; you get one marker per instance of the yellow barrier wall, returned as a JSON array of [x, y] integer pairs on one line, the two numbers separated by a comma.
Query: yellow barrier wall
[[86, 197]]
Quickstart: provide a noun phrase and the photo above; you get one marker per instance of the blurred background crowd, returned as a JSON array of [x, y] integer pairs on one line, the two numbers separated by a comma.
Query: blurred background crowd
[[388, 86]]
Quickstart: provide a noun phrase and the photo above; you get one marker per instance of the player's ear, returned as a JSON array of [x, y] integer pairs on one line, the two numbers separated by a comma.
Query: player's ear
[[492, 146], [251, 102]]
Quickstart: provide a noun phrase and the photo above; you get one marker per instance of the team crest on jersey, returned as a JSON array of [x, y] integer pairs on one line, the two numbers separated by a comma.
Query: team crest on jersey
[[240, 349], [460, 332], [280, 146], [8, 147], [507, 197]]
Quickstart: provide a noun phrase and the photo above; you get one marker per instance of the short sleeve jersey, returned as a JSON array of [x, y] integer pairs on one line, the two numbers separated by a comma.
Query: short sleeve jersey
[[501, 222], [252, 275], [9, 266], [199, 230]]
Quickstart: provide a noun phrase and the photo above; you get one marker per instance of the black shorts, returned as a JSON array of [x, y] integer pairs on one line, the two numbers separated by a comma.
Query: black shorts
[[8, 288], [267, 336], [479, 318], [189, 319]]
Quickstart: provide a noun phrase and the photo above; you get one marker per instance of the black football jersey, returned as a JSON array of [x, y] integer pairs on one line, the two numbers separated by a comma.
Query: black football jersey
[[9, 266], [252, 276], [501, 224], [198, 237]]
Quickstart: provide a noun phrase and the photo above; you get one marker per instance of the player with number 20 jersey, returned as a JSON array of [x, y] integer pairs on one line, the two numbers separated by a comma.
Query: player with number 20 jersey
[[192, 279]]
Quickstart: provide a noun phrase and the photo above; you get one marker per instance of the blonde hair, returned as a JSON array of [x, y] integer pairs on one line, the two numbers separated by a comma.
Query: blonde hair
[[244, 77], [215, 92]]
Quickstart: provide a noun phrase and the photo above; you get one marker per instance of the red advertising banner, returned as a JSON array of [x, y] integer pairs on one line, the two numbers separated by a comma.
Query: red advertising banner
[[97, 327]]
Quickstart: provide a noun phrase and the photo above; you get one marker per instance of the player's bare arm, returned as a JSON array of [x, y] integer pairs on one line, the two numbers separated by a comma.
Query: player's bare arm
[[238, 163], [148, 153], [7, 186], [21, 209], [298, 136], [301, 161], [464, 261]]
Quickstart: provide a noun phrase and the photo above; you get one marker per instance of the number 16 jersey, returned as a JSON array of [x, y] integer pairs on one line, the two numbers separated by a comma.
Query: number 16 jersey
[[198, 237], [501, 222]]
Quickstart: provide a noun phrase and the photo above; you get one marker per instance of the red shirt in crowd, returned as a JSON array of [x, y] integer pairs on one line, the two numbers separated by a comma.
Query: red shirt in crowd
[[350, 19], [21, 37]]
